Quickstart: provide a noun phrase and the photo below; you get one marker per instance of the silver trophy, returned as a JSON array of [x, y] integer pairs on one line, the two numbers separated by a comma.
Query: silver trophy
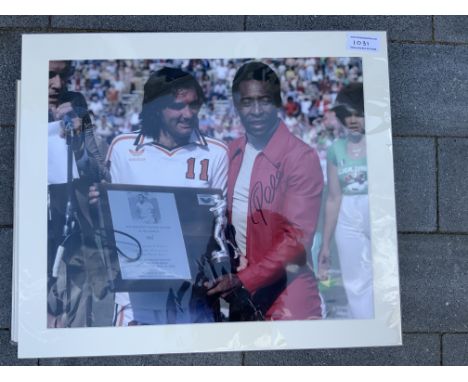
[[219, 210], [242, 308]]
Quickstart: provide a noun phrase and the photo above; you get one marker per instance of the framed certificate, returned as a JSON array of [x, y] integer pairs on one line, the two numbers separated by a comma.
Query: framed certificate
[[158, 237], [200, 192]]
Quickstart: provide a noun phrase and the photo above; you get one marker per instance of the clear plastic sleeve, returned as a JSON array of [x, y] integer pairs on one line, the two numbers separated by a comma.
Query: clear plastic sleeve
[[204, 192]]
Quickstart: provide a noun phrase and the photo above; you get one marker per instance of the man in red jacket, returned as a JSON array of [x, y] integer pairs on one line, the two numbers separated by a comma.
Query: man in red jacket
[[274, 189]]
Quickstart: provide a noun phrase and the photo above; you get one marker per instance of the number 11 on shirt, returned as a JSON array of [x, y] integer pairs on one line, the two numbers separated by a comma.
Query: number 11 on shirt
[[190, 174]]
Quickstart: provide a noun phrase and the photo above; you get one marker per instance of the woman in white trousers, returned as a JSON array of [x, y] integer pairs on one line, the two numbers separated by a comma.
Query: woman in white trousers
[[347, 206]]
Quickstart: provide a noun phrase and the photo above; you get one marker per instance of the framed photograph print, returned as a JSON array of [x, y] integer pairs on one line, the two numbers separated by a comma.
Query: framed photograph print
[[203, 192]]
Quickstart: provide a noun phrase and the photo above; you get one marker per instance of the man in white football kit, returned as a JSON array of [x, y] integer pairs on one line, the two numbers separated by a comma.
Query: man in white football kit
[[170, 151]]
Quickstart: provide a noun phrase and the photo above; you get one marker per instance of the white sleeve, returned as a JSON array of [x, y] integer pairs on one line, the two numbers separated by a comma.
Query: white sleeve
[[219, 173], [57, 156], [113, 161]]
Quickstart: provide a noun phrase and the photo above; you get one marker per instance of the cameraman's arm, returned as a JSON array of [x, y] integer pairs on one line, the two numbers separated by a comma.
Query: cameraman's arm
[[89, 160]]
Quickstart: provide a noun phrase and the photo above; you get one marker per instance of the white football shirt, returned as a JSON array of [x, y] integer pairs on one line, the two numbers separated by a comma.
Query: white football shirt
[[201, 163]]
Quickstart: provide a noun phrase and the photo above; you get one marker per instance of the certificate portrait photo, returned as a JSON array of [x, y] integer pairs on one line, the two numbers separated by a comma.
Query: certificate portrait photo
[[144, 209], [281, 140]]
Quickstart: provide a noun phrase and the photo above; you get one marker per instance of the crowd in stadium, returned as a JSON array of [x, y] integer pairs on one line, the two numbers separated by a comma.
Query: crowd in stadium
[[114, 90]]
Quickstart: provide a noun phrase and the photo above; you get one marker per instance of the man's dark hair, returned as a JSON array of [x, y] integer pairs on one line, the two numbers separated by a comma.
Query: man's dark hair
[[256, 70], [68, 71], [159, 90]]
